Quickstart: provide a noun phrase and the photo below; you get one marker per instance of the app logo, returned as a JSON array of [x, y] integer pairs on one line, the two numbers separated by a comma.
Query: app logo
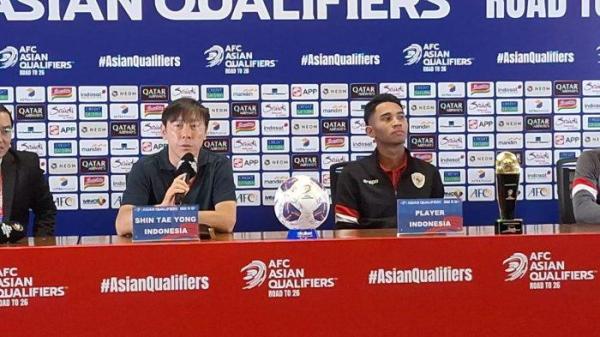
[[305, 91], [245, 163]]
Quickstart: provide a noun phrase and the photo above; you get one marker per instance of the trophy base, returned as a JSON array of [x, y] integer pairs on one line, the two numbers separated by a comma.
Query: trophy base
[[512, 226]]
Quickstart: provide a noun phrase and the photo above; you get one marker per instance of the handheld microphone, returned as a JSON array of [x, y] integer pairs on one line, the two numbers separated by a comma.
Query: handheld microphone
[[186, 165], [11, 231]]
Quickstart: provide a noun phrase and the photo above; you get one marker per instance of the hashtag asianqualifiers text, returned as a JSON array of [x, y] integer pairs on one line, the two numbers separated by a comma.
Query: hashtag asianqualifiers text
[[139, 61], [152, 284], [441, 274]]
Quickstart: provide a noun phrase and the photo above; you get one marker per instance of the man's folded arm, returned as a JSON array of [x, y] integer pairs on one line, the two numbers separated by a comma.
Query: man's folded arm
[[43, 206], [346, 202], [585, 189]]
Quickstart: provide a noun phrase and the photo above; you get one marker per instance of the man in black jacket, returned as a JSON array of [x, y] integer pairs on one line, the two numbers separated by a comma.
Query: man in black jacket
[[23, 184], [367, 189]]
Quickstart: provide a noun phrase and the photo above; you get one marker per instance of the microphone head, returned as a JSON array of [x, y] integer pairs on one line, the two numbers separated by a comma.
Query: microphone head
[[188, 157], [187, 165]]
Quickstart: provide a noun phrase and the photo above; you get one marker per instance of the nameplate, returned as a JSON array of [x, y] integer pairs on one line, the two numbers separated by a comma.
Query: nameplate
[[174, 223], [429, 216]]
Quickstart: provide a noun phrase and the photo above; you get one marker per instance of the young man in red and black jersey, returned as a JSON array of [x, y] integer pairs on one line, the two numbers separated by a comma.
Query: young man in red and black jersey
[[367, 189]]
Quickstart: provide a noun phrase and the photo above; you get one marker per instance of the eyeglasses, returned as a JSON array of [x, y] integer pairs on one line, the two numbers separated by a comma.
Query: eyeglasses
[[6, 131]]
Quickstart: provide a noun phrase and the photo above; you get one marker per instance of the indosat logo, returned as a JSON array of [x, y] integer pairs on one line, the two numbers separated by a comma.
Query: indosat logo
[[543, 271], [282, 279], [237, 61], [30, 61], [433, 57]]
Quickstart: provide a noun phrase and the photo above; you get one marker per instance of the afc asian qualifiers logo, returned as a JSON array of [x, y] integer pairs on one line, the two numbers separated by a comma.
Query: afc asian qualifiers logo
[[516, 266], [433, 57], [8, 57], [283, 279], [413, 54], [214, 56], [236, 59], [256, 273], [543, 271]]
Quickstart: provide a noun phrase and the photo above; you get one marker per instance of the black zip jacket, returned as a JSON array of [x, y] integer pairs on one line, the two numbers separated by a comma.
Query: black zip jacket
[[366, 191]]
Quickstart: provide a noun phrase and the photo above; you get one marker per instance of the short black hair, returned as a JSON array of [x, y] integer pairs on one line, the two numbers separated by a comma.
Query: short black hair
[[378, 99], [187, 108], [4, 109]]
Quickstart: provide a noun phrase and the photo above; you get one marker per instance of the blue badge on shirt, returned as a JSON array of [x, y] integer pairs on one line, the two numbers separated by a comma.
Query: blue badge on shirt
[[429, 216], [174, 223]]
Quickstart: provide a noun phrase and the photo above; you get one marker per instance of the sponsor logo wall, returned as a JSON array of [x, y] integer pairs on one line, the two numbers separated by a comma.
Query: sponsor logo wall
[[98, 142]]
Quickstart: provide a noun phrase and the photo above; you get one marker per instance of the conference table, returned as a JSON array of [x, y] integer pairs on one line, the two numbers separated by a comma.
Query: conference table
[[346, 283]]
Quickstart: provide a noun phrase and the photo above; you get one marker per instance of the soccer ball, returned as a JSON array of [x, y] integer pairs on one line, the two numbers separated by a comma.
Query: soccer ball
[[301, 203]]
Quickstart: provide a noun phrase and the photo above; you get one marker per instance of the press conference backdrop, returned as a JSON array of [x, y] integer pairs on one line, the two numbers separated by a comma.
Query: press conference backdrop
[[286, 82]]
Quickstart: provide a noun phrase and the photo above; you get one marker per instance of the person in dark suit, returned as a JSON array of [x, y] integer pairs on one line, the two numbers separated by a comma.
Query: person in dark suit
[[23, 184]]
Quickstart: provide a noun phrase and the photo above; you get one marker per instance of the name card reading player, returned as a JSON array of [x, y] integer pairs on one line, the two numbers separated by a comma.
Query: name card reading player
[[429, 216], [174, 223]]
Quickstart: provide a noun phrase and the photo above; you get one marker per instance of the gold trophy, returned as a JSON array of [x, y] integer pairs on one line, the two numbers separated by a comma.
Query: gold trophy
[[507, 189]]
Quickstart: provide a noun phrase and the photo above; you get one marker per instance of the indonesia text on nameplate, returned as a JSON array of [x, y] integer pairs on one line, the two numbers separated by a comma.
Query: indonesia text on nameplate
[[429, 215]]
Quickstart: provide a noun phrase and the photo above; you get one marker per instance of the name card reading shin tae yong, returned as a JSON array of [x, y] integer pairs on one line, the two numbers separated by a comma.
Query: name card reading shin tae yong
[[429, 216], [174, 223]]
